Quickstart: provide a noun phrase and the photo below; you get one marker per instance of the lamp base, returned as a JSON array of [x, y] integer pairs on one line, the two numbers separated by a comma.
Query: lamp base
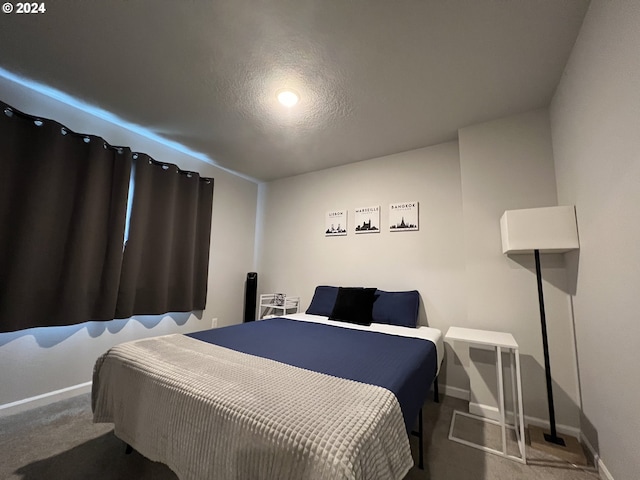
[[571, 451]]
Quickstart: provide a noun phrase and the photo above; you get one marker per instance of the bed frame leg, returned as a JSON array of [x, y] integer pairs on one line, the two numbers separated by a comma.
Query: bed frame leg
[[420, 435], [436, 394], [420, 442], [128, 449]]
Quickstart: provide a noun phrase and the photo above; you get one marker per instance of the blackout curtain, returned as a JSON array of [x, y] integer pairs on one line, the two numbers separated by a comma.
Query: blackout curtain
[[166, 257], [63, 203]]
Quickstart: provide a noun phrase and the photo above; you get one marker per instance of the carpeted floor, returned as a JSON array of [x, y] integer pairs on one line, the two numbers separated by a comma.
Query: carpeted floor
[[60, 441]]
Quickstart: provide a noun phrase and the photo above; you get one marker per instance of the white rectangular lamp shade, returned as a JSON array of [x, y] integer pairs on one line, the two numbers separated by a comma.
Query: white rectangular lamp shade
[[548, 229]]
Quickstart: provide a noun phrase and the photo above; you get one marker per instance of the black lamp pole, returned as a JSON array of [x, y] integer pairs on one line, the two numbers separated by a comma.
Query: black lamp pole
[[552, 437]]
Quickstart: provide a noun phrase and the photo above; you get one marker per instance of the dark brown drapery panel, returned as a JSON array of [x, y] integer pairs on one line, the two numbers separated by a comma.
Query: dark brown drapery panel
[[63, 203], [166, 257]]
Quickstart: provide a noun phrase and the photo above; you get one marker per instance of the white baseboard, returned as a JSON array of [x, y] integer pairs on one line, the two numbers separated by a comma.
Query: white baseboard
[[486, 411], [563, 429], [492, 412], [602, 468], [454, 392], [44, 399]]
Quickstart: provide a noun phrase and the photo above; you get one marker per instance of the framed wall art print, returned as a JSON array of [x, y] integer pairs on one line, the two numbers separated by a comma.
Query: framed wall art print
[[403, 216], [335, 223], [367, 219]]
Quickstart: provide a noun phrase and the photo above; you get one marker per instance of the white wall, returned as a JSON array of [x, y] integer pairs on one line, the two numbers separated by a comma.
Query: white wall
[[595, 117], [295, 255], [508, 164], [36, 361]]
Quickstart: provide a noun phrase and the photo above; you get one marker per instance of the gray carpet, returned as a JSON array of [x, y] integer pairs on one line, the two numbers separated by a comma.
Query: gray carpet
[[60, 441]]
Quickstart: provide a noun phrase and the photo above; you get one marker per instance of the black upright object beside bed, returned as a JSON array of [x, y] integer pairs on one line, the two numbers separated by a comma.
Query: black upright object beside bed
[[250, 296]]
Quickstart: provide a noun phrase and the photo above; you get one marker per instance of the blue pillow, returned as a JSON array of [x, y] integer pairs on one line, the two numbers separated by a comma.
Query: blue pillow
[[397, 308], [323, 301]]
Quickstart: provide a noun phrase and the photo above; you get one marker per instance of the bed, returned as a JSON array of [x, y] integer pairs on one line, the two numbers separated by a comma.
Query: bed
[[304, 396]]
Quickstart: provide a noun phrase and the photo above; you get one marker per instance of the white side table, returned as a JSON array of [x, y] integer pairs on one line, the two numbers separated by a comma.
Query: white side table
[[274, 305], [500, 341]]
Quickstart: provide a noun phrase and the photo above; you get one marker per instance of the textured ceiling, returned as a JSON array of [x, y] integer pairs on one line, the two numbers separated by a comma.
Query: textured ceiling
[[375, 76]]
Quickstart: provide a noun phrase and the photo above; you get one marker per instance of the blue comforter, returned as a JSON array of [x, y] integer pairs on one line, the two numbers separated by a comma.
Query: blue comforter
[[405, 366]]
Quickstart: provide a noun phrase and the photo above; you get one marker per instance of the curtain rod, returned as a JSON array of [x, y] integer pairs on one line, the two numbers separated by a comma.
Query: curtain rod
[[9, 111]]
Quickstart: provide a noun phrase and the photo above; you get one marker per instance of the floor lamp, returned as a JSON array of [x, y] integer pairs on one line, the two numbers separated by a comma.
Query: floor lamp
[[544, 230]]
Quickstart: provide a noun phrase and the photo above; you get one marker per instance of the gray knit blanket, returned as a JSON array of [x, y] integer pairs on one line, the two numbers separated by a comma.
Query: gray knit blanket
[[209, 412]]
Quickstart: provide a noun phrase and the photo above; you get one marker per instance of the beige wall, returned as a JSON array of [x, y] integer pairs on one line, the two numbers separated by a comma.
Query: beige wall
[[38, 361], [595, 117], [455, 260]]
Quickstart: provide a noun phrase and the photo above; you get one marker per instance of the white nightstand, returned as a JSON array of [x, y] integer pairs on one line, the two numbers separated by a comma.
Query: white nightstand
[[500, 341], [276, 305]]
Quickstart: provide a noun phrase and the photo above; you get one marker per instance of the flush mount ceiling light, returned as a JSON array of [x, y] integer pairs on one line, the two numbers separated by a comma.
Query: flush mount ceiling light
[[288, 98]]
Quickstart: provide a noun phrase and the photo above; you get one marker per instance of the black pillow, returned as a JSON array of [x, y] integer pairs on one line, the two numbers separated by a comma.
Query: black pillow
[[354, 305]]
